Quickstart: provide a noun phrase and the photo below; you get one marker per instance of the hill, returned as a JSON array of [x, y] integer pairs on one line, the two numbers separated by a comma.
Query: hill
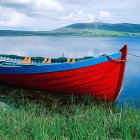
[[121, 27], [99, 29], [83, 29]]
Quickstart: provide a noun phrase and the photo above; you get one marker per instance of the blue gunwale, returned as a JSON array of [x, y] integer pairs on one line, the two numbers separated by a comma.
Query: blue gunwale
[[53, 67]]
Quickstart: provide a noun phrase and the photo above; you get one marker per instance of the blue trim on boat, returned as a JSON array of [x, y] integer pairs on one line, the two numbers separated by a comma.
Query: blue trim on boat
[[53, 67], [29, 64]]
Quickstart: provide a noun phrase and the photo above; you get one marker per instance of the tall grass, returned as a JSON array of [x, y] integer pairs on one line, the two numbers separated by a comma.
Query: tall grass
[[79, 119]]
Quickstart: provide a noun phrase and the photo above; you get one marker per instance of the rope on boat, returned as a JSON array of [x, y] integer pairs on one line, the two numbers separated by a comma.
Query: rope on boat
[[134, 55], [114, 58], [121, 60]]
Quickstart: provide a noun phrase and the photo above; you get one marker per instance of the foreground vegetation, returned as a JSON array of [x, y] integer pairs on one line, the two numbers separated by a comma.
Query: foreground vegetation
[[68, 118]]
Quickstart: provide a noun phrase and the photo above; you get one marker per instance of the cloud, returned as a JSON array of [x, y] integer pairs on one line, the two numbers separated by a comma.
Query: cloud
[[34, 4], [28, 14], [79, 2], [12, 18], [47, 5], [15, 1], [78, 16], [105, 16]]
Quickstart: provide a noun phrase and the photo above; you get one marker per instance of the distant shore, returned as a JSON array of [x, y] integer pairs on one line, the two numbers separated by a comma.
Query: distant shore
[[83, 33], [95, 29]]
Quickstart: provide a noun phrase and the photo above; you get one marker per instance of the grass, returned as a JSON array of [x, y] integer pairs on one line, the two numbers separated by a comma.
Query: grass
[[68, 118]]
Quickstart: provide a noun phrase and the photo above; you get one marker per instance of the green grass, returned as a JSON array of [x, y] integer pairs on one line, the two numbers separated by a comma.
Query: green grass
[[68, 118]]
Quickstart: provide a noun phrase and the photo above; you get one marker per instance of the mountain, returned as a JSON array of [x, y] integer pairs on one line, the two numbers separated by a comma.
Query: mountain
[[83, 29], [99, 29], [121, 27]]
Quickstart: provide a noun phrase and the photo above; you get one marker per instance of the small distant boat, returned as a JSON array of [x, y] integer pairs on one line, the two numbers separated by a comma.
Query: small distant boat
[[100, 77]]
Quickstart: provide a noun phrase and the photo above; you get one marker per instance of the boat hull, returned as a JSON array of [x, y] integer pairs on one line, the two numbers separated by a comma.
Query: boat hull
[[103, 80]]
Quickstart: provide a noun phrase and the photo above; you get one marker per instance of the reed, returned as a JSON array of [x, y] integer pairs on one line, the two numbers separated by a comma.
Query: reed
[[79, 119]]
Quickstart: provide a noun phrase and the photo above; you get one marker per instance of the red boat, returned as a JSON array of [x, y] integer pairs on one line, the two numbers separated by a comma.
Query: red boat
[[100, 78]]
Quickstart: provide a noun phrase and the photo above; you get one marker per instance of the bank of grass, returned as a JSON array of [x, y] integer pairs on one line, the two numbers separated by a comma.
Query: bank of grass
[[76, 119]]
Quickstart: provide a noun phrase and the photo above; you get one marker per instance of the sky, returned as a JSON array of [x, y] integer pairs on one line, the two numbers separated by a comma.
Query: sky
[[47, 15]]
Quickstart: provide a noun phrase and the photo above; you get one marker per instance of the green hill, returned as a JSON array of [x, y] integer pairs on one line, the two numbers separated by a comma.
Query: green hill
[[83, 29], [99, 29], [121, 27]]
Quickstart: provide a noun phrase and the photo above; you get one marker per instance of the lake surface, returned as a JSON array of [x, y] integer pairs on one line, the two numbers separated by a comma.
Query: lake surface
[[80, 47]]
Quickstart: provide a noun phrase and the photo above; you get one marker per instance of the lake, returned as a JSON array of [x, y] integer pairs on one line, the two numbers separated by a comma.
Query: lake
[[80, 47]]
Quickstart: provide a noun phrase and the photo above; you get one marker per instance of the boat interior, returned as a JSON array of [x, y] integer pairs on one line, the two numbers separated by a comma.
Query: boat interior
[[21, 60]]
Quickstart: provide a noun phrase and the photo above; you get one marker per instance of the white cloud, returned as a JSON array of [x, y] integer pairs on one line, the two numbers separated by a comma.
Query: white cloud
[[47, 5], [15, 1], [78, 16], [105, 16], [33, 15], [12, 18]]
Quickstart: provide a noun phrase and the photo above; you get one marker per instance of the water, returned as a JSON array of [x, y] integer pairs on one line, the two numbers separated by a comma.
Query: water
[[80, 47]]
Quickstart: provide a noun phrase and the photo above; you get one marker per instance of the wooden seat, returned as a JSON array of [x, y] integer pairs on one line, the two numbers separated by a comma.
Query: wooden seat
[[26, 60], [68, 60], [45, 60], [73, 60], [49, 60]]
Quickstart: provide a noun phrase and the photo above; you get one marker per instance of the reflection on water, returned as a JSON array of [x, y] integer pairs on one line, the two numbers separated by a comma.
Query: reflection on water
[[131, 88], [70, 46], [80, 47]]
